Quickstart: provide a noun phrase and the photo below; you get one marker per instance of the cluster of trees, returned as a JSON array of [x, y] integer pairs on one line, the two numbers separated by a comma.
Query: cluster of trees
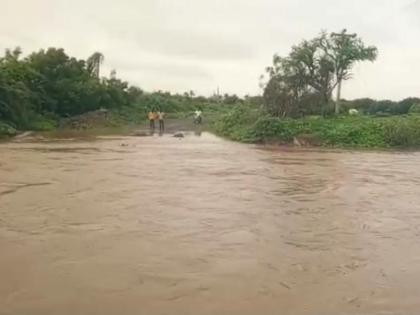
[[50, 83], [369, 106], [303, 82]]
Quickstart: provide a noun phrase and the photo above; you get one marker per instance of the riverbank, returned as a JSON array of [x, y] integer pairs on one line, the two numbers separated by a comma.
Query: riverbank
[[124, 121], [249, 125]]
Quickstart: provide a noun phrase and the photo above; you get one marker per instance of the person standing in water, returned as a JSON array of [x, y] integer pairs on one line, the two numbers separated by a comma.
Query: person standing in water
[[161, 117], [152, 118]]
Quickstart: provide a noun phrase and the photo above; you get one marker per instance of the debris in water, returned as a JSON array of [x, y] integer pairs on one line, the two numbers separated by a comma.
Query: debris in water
[[285, 285], [179, 135]]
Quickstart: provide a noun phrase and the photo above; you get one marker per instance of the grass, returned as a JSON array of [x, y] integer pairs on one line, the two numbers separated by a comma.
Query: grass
[[250, 125]]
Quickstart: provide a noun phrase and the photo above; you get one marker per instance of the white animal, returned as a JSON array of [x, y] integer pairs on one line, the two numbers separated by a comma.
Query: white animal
[[353, 112]]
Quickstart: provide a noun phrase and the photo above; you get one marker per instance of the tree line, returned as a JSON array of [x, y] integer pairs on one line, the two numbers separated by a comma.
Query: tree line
[[303, 82], [49, 84]]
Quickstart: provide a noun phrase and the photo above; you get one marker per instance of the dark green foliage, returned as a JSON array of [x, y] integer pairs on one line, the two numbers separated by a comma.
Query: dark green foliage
[[6, 130], [402, 131], [369, 106], [50, 83], [244, 124], [305, 79], [236, 123], [415, 109]]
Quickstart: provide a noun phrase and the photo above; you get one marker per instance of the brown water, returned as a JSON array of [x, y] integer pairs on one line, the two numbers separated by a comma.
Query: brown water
[[205, 226]]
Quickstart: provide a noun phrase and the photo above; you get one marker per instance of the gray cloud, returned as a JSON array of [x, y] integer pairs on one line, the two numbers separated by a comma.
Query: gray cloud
[[188, 44], [174, 70], [201, 44]]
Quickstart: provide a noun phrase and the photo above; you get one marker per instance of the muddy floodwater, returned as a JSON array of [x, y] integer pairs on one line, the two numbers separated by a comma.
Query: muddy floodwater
[[200, 225]]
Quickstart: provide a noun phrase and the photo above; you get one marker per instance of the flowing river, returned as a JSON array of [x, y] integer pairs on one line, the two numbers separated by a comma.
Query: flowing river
[[200, 225]]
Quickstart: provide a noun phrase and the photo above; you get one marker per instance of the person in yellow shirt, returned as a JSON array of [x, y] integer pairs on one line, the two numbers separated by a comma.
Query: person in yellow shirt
[[152, 117]]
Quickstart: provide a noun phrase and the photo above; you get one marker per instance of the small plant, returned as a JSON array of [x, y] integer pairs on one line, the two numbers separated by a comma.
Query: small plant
[[6, 130], [415, 109]]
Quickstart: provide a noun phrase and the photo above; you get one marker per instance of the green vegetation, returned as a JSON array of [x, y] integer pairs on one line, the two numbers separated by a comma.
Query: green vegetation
[[249, 125], [36, 91], [367, 106], [6, 130], [415, 109], [303, 82], [49, 89], [298, 105]]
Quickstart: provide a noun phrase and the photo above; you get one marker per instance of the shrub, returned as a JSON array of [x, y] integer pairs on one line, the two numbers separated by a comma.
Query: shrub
[[6, 130], [415, 109], [350, 131], [403, 132]]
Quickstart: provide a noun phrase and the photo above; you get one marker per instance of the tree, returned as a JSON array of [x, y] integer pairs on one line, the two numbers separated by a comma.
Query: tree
[[344, 50], [406, 105], [113, 74], [277, 98], [49, 83], [61, 82], [16, 98], [13, 55], [134, 94], [415, 109], [231, 99], [288, 83], [314, 68], [94, 63]]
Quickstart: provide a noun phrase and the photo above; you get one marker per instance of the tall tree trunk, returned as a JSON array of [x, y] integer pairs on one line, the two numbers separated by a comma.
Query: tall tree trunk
[[325, 103], [337, 102]]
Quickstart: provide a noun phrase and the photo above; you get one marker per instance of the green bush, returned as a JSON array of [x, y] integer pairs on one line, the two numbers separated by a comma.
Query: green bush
[[6, 130], [235, 124], [42, 125], [415, 109], [402, 132], [351, 131]]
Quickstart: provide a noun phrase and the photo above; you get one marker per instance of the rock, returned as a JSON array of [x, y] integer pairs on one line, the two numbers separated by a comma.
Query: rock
[[141, 134], [24, 134], [179, 135], [305, 140], [87, 120]]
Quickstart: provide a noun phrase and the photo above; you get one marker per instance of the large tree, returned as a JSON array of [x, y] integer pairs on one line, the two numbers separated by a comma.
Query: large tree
[[313, 68], [344, 50], [16, 99], [94, 63]]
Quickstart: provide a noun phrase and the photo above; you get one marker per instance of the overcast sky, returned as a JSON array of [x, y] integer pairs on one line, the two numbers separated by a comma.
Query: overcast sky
[[180, 45]]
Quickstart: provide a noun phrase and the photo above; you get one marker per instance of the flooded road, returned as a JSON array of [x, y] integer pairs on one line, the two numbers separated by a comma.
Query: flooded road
[[204, 226]]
